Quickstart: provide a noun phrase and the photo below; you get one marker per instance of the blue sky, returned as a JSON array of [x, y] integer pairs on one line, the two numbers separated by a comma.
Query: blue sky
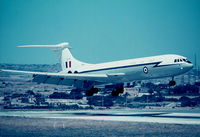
[[99, 30]]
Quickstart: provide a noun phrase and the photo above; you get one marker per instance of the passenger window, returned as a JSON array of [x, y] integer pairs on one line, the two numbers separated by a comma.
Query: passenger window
[[181, 60], [176, 60]]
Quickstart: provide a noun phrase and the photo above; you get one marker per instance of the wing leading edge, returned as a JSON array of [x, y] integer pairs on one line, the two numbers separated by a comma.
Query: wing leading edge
[[76, 80]]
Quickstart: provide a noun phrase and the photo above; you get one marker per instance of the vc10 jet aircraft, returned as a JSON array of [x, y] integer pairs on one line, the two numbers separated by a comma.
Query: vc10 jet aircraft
[[86, 77]]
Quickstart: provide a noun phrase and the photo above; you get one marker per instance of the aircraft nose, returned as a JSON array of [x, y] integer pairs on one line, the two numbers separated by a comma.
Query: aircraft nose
[[188, 66]]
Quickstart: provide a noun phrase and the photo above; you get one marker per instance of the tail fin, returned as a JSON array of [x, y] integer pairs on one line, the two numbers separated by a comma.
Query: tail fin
[[68, 63]]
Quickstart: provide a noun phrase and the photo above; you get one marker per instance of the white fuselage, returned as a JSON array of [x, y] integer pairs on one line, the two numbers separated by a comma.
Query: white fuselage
[[83, 75], [140, 68]]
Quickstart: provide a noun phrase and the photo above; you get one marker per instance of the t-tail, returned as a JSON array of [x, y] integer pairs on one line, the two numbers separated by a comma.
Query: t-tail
[[68, 63]]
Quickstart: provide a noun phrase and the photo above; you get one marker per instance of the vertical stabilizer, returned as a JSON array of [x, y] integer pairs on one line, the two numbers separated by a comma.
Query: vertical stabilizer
[[68, 63]]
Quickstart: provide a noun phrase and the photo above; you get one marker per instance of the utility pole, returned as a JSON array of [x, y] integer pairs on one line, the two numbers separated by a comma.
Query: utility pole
[[195, 67], [189, 78], [102, 100], [195, 61], [182, 80], [126, 102]]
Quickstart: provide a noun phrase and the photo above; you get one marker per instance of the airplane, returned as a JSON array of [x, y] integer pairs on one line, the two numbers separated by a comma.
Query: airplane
[[86, 77]]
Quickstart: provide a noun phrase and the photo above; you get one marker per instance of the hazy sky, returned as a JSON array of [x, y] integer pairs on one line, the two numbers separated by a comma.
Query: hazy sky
[[99, 30]]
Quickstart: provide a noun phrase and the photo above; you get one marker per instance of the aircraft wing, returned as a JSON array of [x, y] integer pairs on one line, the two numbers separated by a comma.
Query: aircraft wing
[[67, 79]]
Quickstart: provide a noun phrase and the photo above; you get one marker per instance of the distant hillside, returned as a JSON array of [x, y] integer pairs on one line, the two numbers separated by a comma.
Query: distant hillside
[[32, 67]]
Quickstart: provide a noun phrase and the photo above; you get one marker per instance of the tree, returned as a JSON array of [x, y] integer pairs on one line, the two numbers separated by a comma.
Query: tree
[[39, 99], [150, 91], [191, 89], [59, 95], [30, 92], [75, 94], [97, 101]]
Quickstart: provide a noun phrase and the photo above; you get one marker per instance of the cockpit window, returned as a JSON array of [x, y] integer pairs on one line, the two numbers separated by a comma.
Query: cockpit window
[[188, 61], [182, 60]]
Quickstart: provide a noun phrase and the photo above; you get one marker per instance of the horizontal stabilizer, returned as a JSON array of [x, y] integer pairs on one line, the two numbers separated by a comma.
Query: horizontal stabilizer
[[57, 46]]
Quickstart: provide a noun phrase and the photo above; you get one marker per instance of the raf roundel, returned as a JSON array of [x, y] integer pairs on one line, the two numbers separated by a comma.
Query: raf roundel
[[145, 70]]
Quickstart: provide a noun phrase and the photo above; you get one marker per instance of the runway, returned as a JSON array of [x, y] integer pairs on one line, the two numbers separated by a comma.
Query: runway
[[100, 123], [126, 115]]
